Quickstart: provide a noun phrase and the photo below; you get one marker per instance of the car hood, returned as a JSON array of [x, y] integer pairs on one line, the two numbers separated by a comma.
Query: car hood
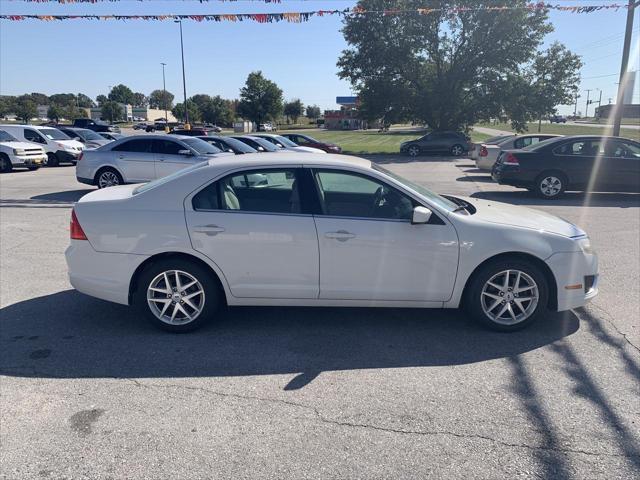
[[71, 143], [308, 149], [506, 214]]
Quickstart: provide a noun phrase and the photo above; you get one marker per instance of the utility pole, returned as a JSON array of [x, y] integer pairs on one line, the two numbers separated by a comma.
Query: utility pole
[[184, 81], [586, 110], [619, 108], [599, 103], [164, 99], [575, 109]]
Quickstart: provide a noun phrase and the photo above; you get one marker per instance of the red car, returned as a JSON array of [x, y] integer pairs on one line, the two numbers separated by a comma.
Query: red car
[[307, 141]]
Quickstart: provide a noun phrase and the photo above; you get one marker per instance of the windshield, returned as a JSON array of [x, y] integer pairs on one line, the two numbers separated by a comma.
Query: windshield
[[266, 144], [202, 147], [5, 137], [425, 192], [88, 134], [161, 181], [285, 141], [238, 145], [54, 134]]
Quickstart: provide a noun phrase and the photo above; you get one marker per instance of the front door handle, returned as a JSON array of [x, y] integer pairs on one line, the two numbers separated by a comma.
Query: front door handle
[[210, 230], [340, 235]]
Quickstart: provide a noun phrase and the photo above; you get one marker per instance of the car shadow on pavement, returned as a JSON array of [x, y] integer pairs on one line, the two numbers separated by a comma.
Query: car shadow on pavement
[[70, 335], [66, 196], [383, 159], [475, 178], [574, 199]]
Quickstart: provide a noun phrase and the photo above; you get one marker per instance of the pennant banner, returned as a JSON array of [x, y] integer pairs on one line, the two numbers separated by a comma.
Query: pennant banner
[[298, 17]]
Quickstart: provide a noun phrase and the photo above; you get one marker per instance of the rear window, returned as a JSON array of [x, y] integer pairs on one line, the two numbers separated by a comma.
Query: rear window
[[161, 181]]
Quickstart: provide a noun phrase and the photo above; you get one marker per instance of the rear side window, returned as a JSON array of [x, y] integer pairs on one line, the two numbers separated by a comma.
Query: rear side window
[[166, 146], [589, 148], [135, 145]]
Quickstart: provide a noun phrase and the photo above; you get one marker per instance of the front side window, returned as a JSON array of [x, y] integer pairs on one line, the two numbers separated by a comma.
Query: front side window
[[346, 194], [33, 136], [135, 146], [262, 191], [620, 149]]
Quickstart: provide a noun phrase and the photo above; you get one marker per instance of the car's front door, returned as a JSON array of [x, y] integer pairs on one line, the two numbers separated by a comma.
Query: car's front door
[[623, 164], [369, 250], [135, 160], [254, 225], [168, 156]]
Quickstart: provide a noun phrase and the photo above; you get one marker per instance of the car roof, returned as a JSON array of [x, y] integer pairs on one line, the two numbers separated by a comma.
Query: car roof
[[159, 136], [22, 125], [276, 158]]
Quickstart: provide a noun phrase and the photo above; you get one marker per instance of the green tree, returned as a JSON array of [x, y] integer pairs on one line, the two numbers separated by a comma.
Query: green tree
[[313, 112], [294, 109], [122, 94], [443, 69], [112, 111], [217, 110], [54, 113], [101, 99], [7, 105], [84, 101], [140, 100], [260, 99], [160, 99], [39, 98], [194, 112], [25, 108]]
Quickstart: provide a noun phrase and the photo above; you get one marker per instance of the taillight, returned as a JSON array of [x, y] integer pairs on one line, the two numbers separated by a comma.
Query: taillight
[[510, 159], [76, 230], [483, 151]]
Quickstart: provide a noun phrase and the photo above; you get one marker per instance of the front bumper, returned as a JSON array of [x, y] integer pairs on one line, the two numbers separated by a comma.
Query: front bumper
[[28, 161], [577, 278], [65, 156]]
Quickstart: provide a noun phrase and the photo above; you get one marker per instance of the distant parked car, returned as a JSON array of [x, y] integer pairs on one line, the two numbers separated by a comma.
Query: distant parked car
[[266, 127], [111, 136], [557, 119], [194, 132], [286, 144], [229, 144], [474, 148], [213, 127], [307, 141], [454, 143], [141, 158], [95, 125], [140, 126], [572, 163], [260, 144], [489, 153], [90, 138], [16, 154], [59, 147]]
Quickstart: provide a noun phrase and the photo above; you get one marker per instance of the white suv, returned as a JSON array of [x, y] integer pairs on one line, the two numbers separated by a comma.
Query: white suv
[[14, 153], [58, 146]]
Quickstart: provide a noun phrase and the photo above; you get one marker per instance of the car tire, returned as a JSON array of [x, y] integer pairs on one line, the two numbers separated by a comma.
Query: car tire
[[413, 150], [5, 163], [52, 160], [487, 286], [108, 177], [152, 302], [550, 185], [32, 169], [456, 150]]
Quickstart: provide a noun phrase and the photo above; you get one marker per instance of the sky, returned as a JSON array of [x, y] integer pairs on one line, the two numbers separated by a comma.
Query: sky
[[90, 56]]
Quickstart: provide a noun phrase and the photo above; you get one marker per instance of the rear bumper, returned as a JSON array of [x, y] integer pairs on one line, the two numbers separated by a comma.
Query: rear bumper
[[511, 175], [102, 275], [86, 181], [576, 277]]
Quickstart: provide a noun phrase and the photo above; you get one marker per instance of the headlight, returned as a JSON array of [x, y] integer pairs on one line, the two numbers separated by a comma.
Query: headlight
[[18, 151], [585, 246]]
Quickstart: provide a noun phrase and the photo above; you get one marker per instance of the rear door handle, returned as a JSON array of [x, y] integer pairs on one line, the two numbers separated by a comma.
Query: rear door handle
[[340, 235], [210, 230]]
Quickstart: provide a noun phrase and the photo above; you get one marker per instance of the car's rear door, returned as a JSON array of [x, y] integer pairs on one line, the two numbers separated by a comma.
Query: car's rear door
[[255, 226], [134, 159], [576, 159]]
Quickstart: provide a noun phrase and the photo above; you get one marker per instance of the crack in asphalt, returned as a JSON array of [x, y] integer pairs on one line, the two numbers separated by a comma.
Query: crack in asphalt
[[608, 319], [329, 421]]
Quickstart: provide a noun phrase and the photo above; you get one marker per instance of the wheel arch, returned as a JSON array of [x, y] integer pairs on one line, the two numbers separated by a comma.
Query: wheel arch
[[133, 284], [537, 261]]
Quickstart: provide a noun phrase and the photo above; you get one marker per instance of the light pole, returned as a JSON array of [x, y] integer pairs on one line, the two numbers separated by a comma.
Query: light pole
[[619, 108], [164, 99], [586, 109], [575, 109], [184, 81]]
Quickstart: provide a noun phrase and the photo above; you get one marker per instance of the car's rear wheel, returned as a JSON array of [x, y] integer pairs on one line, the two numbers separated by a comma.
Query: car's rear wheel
[[177, 295], [5, 163], [457, 150], [413, 150], [108, 177], [550, 185], [507, 295], [52, 160]]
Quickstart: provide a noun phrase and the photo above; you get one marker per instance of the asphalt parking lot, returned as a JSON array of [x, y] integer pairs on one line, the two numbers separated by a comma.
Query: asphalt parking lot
[[89, 390]]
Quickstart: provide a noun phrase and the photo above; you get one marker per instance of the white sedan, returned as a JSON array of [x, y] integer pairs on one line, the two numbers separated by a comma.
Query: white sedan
[[320, 230], [489, 152]]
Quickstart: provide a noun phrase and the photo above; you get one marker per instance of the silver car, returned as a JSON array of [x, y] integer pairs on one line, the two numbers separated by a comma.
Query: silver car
[[142, 158], [90, 138]]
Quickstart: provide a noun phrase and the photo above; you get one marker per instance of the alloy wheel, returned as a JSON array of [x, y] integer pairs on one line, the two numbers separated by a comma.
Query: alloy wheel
[[456, 150], [550, 186], [414, 151], [509, 297], [108, 179], [175, 297]]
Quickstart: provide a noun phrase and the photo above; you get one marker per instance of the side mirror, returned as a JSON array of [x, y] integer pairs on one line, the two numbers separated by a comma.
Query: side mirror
[[185, 152], [420, 216]]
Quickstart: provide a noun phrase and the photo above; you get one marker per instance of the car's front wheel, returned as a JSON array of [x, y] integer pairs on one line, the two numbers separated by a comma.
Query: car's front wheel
[[177, 295], [5, 163], [413, 150], [52, 160], [507, 295]]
